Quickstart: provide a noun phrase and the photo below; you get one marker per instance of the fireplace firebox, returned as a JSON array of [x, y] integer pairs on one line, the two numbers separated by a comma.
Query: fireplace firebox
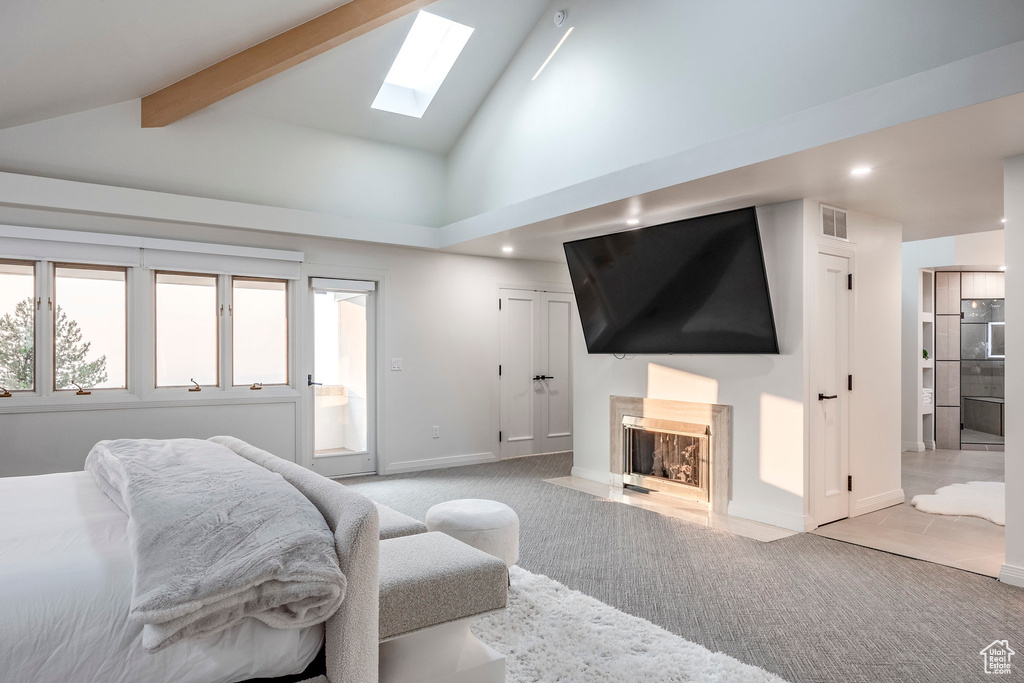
[[666, 455]]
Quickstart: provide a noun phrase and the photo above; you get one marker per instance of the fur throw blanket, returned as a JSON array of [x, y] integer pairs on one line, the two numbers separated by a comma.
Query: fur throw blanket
[[216, 539]]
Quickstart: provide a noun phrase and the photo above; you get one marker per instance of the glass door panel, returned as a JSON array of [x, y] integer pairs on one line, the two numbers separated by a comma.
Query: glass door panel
[[341, 382]]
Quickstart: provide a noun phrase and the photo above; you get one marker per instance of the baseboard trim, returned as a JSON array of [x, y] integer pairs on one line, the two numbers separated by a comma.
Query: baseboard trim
[[929, 445], [534, 455], [593, 475], [438, 463], [758, 513], [913, 446], [878, 502], [1012, 575]]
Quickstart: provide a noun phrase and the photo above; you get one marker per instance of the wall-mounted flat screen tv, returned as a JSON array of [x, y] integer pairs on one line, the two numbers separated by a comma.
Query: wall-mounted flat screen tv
[[692, 286]]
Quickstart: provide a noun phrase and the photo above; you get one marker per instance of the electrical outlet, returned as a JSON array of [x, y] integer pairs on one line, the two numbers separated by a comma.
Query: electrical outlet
[[396, 363], [437, 432]]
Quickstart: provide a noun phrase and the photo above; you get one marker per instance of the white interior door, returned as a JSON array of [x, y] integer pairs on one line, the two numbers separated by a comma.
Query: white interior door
[[830, 413], [536, 372], [341, 380]]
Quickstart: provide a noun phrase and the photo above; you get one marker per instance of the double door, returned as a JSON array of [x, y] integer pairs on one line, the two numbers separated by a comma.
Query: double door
[[535, 372]]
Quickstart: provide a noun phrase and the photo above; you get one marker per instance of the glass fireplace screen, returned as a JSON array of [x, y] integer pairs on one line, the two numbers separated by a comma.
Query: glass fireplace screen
[[675, 456]]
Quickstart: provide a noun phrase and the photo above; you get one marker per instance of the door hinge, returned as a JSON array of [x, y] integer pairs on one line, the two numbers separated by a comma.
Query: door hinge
[[849, 281], [499, 371], [499, 437], [961, 426], [961, 315], [499, 304], [849, 382], [849, 482]]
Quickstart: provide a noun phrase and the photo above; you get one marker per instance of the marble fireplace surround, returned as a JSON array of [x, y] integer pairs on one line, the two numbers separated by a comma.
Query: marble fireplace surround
[[718, 417]]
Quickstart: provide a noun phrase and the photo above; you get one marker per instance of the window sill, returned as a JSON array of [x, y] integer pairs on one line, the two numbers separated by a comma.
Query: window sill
[[161, 398]]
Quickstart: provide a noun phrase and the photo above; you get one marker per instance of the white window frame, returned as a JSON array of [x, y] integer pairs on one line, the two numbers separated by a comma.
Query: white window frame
[[142, 257], [288, 308]]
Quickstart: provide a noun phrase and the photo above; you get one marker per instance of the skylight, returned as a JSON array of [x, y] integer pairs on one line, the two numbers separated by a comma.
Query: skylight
[[426, 57]]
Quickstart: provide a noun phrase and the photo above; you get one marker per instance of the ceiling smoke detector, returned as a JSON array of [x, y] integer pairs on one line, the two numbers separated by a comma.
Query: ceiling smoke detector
[[560, 17]]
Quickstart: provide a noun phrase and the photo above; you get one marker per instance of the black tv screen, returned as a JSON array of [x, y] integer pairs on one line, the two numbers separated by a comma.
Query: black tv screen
[[692, 286]]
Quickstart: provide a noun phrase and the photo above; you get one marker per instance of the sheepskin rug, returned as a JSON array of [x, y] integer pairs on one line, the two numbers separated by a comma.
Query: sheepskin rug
[[552, 633], [985, 499]]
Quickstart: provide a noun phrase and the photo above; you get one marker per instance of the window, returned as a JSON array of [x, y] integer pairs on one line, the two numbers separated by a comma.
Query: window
[[90, 327], [186, 329], [259, 335], [17, 326]]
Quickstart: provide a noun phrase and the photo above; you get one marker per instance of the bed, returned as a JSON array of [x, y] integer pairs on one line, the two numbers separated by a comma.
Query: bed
[[66, 577]]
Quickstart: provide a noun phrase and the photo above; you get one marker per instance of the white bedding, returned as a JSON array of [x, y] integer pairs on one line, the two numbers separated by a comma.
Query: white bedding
[[65, 589]]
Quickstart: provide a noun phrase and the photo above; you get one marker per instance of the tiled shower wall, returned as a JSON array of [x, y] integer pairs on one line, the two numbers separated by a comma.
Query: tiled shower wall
[[955, 377], [947, 360]]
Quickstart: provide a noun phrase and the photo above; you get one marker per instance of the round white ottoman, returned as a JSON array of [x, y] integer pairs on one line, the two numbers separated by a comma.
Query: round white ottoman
[[484, 524]]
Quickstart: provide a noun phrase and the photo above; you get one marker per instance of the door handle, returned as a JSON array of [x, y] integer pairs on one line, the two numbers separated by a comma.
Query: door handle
[[311, 383], [542, 377], [823, 397]]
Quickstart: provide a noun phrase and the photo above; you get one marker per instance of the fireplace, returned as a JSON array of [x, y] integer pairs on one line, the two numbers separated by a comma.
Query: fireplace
[[666, 455], [676, 448]]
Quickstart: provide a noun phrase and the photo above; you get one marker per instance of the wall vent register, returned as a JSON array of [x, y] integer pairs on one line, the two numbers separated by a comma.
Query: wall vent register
[[833, 222]]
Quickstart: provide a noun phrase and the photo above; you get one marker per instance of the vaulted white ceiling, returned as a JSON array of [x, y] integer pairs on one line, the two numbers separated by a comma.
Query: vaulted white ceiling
[[333, 92], [63, 56], [527, 163]]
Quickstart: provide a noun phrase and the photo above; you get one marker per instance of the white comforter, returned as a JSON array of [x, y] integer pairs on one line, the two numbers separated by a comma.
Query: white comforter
[[65, 588]]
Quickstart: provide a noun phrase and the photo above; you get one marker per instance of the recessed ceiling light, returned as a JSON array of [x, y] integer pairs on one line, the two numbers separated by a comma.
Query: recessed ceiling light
[[422, 64], [507, 249], [552, 53], [860, 170], [633, 221]]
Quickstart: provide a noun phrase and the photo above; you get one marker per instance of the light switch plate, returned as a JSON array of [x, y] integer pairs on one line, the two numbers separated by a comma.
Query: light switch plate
[[396, 363]]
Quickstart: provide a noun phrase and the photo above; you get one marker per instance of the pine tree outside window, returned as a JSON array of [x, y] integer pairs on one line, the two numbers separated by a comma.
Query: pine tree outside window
[[17, 326]]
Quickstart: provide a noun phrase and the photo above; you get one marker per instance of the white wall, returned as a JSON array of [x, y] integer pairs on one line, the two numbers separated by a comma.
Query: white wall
[[642, 80], [1013, 199], [765, 391], [771, 395], [916, 255], [226, 156], [981, 249], [440, 316], [58, 441]]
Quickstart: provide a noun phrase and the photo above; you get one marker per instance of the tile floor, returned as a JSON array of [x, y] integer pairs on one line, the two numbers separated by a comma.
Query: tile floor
[[969, 543], [970, 436], [671, 506]]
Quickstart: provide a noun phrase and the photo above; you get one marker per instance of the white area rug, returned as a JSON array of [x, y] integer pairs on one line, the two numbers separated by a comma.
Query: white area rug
[[551, 633], [985, 499]]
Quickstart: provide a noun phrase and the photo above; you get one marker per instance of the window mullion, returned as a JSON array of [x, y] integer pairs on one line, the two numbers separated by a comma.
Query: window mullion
[[224, 345], [45, 370]]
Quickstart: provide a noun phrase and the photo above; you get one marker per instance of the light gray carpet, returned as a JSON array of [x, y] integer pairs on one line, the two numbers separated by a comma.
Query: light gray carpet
[[806, 607]]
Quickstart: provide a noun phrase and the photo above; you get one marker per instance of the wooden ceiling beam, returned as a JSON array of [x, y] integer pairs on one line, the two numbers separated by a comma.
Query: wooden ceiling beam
[[271, 57]]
